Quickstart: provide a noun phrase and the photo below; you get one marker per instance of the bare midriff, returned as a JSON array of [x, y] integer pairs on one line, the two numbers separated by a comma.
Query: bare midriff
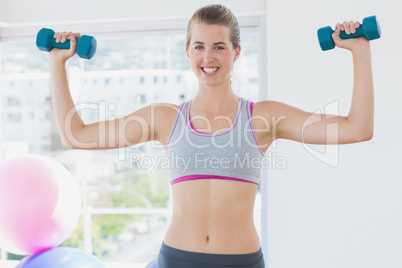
[[213, 216]]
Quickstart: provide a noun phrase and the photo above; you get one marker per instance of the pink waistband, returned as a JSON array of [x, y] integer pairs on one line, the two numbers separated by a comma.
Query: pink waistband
[[199, 177]]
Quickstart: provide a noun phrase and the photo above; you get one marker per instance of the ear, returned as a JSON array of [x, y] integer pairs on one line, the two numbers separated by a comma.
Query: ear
[[188, 56], [237, 53]]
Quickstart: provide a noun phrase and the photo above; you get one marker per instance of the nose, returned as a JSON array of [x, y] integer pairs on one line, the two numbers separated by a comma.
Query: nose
[[209, 56]]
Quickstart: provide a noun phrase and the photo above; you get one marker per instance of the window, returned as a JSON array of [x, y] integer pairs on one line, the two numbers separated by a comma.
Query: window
[[13, 101], [13, 117], [126, 199], [141, 98]]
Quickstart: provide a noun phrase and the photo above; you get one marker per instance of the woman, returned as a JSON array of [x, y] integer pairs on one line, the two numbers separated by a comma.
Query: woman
[[214, 139]]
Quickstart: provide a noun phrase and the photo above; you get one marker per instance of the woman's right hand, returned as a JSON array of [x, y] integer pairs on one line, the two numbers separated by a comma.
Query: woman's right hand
[[64, 54]]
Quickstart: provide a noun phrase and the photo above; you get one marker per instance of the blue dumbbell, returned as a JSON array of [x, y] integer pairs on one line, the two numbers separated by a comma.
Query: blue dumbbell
[[370, 28], [86, 45]]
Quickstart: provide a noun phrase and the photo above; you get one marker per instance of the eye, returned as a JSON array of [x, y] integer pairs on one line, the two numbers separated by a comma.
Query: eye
[[219, 48], [198, 47]]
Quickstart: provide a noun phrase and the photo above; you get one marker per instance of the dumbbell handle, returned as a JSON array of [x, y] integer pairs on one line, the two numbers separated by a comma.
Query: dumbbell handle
[[359, 33], [65, 45], [343, 35]]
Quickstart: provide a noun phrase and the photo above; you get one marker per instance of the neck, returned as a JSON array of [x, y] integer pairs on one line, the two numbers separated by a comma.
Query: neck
[[215, 98]]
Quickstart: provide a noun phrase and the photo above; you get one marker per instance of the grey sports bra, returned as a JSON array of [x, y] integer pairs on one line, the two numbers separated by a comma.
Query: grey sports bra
[[233, 154]]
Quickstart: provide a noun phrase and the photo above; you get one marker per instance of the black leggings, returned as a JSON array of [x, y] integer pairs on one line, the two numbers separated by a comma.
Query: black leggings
[[175, 258]]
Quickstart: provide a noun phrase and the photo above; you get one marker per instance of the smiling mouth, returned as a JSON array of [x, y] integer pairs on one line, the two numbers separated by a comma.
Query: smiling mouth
[[210, 70]]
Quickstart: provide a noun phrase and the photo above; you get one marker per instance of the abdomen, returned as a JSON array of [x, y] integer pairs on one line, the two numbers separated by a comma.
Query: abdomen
[[213, 216]]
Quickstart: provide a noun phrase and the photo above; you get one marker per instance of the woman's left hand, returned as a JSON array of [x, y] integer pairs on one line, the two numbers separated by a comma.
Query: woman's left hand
[[351, 43]]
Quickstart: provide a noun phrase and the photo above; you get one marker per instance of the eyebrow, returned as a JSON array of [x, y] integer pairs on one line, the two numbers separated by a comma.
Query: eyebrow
[[217, 43]]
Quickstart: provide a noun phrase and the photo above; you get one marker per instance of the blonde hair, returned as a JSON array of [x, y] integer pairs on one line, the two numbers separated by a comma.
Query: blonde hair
[[216, 15]]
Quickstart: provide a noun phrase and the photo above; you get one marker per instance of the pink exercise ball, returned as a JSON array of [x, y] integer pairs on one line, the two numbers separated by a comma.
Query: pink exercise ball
[[40, 204]]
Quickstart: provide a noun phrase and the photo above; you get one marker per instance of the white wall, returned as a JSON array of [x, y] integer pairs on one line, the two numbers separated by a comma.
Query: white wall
[[28, 11], [348, 215]]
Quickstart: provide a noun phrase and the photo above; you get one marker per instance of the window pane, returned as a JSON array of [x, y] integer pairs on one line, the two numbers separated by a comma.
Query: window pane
[[135, 53], [128, 238], [130, 186], [23, 58], [26, 113], [179, 60], [245, 71], [76, 239]]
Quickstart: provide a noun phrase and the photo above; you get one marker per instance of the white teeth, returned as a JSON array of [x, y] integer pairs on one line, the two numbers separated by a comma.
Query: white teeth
[[210, 70]]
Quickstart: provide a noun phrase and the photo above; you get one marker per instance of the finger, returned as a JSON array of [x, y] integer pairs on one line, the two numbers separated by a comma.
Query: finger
[[57, 36], [352, 27], [338, 29], [346, 26], [61, 37], [69, 35], [357, 24], [76, 35], [340, 26], [73, 44], [64, 37], [335, 35]]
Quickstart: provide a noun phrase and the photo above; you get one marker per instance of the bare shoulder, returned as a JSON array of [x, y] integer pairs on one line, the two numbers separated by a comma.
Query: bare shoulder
[[165, 110], [269, 109], [268, 115], [165, 107]]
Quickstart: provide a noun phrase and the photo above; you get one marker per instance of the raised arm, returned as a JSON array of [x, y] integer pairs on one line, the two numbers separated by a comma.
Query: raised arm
[[294, 124], [151, 122]]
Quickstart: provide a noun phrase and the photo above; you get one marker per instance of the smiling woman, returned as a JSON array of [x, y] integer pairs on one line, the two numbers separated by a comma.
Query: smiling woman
[[208, 226], [211, 226]]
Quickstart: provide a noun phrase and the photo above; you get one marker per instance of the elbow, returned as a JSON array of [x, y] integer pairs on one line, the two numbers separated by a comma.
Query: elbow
[[70, 140], [365, 136], [362, 132], [369, 136], [74, 145], [68, 145]]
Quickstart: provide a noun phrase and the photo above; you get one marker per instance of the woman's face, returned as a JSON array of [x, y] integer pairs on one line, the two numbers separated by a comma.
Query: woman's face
[[211, 54]]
